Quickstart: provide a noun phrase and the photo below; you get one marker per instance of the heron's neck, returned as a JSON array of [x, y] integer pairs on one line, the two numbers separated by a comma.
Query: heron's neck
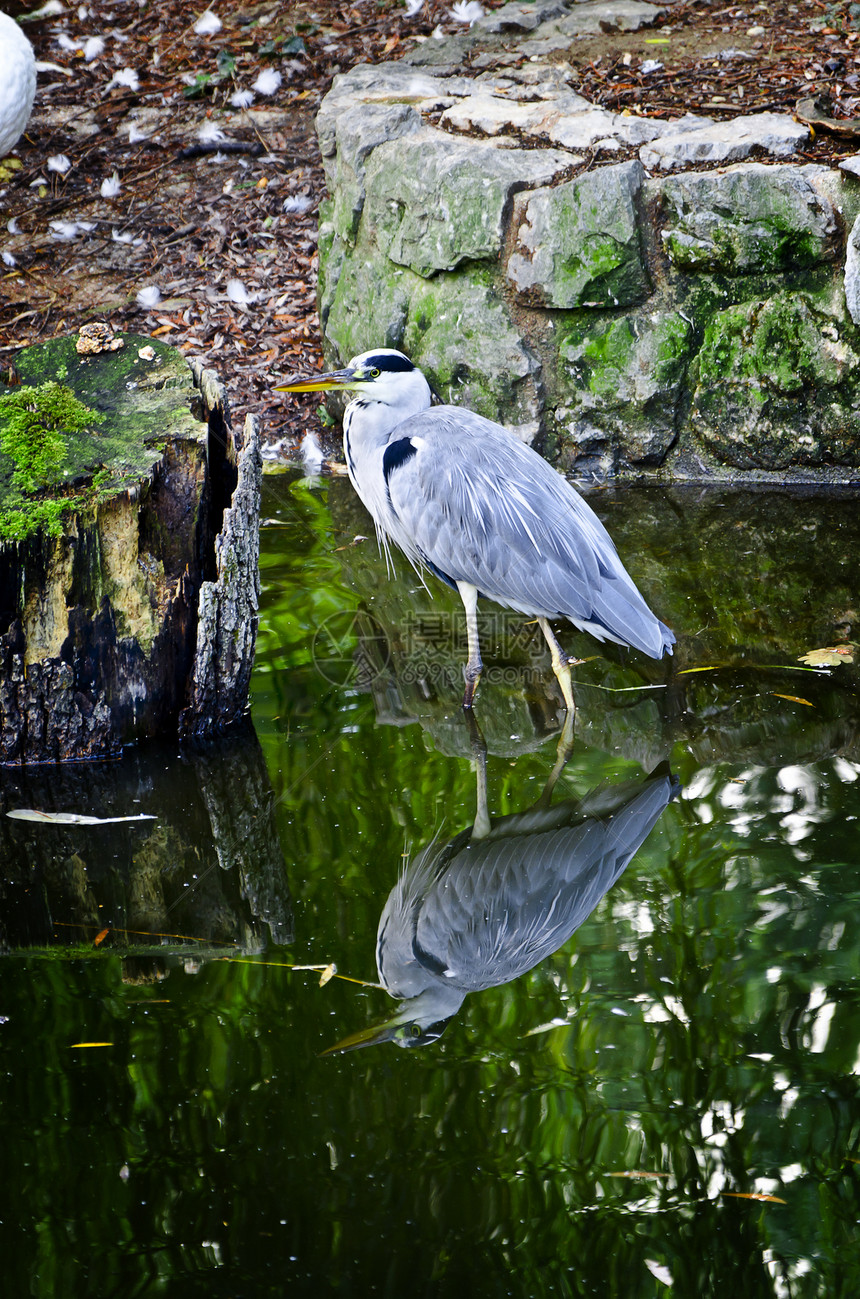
[[369, 423]]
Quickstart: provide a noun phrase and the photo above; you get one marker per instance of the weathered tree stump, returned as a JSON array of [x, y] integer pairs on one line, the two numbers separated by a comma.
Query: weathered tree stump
[[128, 551]]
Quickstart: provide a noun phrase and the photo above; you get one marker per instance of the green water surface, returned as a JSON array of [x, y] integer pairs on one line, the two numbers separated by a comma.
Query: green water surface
[[667, 1104]]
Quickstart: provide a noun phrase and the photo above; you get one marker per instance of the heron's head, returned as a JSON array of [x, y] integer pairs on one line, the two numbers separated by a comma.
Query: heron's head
[[381, 375], [417, 1021], [400, 1031]]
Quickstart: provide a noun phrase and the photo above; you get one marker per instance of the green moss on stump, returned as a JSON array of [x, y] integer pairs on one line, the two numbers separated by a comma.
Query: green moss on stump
[[66, 447], [34, 423]]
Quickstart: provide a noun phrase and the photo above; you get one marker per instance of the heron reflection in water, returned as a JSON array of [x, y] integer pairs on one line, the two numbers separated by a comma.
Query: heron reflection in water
[[500, 897]]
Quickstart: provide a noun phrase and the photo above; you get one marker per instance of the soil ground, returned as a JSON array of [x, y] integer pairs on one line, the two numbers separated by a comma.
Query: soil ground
[[225, 229]]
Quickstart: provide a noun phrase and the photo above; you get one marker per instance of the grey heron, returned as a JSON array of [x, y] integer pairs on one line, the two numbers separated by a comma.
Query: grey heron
[[467, 500], [495, 901]]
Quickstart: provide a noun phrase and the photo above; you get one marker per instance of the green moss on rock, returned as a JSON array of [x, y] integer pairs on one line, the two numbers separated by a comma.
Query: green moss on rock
[[384, 291], [461, 332], [578, 243], [749, 218], [778, 384], [618, 384]]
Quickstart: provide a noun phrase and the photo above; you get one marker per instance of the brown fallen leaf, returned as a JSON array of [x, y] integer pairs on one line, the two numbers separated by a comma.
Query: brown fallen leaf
[[754, 1195], [794, 699], [75, 1045], [328, 973], [828, 657], [100, 937]]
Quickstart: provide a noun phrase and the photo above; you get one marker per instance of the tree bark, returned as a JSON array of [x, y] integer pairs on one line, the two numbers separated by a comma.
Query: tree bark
[[140, 619]]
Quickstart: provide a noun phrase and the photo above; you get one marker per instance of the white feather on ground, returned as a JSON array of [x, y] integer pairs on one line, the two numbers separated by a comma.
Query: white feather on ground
[[94, 46], [207, 24], [267, 82], [149, 296], [125, 77]]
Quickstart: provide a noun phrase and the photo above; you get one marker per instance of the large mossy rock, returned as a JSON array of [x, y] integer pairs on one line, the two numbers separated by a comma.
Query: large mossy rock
[[128, 585], [630, 317]]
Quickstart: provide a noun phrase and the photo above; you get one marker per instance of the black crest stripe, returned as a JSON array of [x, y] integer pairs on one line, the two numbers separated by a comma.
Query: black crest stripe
[[388, 364]]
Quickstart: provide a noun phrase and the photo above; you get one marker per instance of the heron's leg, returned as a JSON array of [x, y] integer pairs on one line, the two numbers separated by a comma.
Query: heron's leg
[[562, 755], [560, 664], [481, 826], [474, 666]]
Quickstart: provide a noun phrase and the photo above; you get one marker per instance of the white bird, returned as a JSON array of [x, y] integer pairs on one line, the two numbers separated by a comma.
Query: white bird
[[466, 499], [17, 83]]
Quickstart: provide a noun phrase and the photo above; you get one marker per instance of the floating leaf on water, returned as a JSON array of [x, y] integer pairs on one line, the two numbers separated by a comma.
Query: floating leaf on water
[[558, 1022], [637, 1172], [72, 818], [328, 973], [830, 656], [659, 1270], [754, 1195], [75, 1045], [100, 937], [794, 699]]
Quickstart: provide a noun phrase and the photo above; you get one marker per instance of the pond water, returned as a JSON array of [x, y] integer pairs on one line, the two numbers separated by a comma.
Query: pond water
[[665, 1100]]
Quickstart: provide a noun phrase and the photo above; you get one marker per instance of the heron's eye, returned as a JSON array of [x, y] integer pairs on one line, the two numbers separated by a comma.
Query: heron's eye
[[374, 374], [415, 1030]]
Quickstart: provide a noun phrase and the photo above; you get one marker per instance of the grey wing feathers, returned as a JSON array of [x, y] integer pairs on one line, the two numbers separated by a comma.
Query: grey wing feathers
[[499, 907], [481, 507]]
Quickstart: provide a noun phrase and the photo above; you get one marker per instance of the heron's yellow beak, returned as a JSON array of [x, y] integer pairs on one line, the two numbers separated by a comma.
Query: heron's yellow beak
[[321, 382], [371, 1036]]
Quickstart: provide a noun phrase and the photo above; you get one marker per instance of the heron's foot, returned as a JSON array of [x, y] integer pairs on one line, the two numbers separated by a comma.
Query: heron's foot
[[560, 664], [471, 675]]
